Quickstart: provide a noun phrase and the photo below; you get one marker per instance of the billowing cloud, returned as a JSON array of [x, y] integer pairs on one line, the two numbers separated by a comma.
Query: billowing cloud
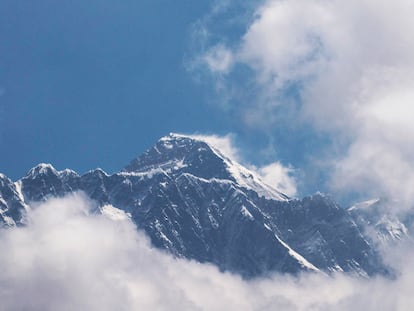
[[68, 258], [347, 67]]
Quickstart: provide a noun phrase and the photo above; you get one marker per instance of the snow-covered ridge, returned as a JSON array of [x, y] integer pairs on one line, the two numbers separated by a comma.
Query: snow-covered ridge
[[47, 168], [42, 168], [382, 223], [18, 186], [363, 205], [151, 170], [241, 175], [7, 219], [298, 257], [302, 261]]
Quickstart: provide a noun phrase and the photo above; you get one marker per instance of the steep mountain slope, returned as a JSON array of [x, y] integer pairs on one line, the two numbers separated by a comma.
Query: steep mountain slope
[[383, 223], [12, 205], [194, 202]]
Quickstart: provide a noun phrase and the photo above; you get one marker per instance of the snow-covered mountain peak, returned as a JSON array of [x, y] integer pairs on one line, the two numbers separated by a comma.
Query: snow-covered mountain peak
[[4, 179], [67, 173], [175, 145], [180, 154], [177, 154], [47, 169], [97, 171], [220, 145], [41, 169]]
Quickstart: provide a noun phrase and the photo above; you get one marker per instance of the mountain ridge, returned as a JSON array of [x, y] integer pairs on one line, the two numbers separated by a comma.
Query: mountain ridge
[[194, 202]]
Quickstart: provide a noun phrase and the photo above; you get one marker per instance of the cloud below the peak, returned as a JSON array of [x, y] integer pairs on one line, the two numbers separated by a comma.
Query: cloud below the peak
[[346, 68], [68, 258]]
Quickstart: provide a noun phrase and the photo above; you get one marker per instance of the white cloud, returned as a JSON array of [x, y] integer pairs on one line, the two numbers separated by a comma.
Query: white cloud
[[283, 43], [224, 144], [352, 63], [219, 59], [69, 259], [274, 174], [279, 176]]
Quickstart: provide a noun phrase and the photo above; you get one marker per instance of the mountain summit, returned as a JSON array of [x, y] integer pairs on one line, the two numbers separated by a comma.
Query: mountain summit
[[194, 202], [178, 154]]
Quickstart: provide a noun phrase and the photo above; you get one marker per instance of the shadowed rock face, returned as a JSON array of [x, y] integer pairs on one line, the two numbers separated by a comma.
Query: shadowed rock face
[[194, 202]]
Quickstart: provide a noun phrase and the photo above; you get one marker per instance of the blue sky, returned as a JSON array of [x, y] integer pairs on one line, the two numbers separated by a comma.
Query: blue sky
[[94, 83], [320, 87]]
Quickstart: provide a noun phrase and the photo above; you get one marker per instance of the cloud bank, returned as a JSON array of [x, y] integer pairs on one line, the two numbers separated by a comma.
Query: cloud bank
[[70, 259], [347, 68]]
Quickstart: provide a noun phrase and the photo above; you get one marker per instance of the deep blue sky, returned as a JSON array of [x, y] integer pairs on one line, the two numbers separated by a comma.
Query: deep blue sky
[[88, 84], [92, 83]]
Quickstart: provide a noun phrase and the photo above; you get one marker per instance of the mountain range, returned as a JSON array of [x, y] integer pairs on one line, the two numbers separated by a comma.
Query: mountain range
[[195, 202]]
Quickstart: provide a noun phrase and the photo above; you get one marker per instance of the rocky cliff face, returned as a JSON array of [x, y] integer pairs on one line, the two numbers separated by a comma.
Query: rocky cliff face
[[196, 203]]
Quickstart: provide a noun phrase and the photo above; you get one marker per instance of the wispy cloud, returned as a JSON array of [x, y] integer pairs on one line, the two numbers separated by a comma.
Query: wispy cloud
[[275, 174], [224, 144], [280, 177], [218, 59], [69, 259]]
